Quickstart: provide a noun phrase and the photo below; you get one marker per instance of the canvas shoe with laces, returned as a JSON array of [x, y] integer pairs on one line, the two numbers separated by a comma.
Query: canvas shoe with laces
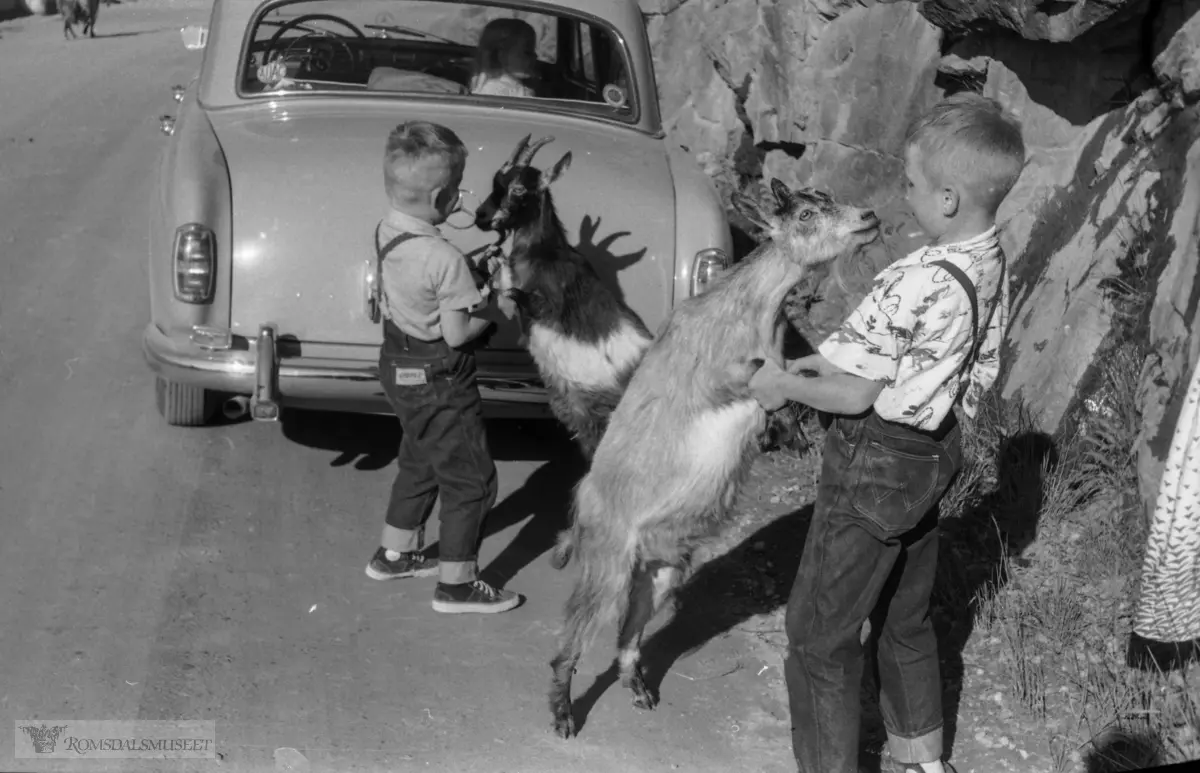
[[405, 565], [899, 767], [476, 596]]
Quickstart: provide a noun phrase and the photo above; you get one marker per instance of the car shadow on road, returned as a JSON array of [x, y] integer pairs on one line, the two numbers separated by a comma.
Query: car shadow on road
[[369, 442], [543, 502]]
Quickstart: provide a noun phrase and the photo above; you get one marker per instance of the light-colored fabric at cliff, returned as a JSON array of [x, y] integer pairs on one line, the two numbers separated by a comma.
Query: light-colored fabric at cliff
[[1169, 607]]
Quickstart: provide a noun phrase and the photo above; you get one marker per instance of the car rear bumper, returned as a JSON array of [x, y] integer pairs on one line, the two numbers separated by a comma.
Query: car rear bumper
[[350, 385]]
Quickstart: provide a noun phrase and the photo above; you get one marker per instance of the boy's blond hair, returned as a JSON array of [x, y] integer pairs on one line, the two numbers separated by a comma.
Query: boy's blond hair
[[970, 140], [419, 158]]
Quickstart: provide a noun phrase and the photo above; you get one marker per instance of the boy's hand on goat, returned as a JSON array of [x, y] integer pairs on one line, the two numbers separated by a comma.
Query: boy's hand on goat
[[768, 386], [812, 366]]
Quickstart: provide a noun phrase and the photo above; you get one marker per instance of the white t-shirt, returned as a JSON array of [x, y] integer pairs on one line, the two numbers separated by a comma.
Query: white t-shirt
[[423, 277], [503, 85], [913, 332]]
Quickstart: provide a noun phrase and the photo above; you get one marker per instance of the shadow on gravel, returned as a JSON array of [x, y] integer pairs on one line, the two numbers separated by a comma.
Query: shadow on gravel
[[369, 442], [755, 577], [971, 556], [752, 578]]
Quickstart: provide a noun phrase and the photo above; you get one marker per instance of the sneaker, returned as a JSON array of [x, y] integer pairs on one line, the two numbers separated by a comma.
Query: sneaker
[[475, 596], [910, 768], [407, 565]]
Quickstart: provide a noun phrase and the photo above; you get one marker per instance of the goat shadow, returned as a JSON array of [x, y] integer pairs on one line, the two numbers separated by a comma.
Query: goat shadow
[[721, 593], [756, 576], [597, 251]]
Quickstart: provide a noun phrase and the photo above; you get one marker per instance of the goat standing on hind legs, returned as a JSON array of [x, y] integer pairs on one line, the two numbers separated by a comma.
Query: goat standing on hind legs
[[682, 438], [585, 341]]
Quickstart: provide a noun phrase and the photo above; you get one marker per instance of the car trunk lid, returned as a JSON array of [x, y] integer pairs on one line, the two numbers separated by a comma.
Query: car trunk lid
[[307, 191]]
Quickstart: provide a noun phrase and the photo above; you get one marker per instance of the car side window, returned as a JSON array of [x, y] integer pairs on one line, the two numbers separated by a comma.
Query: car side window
[[591, 65]]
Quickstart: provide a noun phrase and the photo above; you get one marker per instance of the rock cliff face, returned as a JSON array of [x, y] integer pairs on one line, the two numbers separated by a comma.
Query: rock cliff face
[[1101, 229]]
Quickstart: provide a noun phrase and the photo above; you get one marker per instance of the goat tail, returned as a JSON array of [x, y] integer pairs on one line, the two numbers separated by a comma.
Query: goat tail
[[606, 558], [600, 596]]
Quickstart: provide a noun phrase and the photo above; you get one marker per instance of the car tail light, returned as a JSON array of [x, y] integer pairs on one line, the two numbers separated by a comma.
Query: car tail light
[[195, 263], [707, 267]]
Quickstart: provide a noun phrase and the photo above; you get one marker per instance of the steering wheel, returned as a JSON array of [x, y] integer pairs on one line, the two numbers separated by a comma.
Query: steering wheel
[[322, 51], [296, 22]]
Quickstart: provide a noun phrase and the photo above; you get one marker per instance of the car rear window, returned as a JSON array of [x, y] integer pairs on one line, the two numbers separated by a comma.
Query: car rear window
[[442, 49]]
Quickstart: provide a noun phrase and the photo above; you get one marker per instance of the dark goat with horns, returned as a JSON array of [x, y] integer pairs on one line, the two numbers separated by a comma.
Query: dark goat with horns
[[585, 341]]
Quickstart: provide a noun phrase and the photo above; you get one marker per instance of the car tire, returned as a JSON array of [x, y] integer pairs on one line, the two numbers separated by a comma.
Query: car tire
[[183, 405]]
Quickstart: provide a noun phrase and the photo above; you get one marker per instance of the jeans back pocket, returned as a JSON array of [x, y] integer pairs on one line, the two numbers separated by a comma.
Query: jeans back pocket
[[408, 380], [892, 489]]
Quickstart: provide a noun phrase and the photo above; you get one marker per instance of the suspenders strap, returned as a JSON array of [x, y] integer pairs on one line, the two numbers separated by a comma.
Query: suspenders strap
[[380, 254], [965, 281]]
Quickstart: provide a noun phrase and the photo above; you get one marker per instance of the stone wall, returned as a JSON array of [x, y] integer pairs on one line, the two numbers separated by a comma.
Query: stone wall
[[818, 92]]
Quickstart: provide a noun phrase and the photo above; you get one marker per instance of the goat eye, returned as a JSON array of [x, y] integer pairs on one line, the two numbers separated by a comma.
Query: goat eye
[[517, 190], [806, 214]]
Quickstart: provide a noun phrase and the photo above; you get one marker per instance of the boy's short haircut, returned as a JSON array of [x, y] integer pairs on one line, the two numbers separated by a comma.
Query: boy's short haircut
[[970, 139], [420, 157]]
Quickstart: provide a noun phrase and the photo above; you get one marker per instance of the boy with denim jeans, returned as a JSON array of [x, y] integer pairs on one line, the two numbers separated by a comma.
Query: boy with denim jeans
[[429, 299], [929, 332]]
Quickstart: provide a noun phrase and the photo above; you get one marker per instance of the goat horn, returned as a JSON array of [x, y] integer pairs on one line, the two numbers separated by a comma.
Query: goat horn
[[527, 156], [518, 151]]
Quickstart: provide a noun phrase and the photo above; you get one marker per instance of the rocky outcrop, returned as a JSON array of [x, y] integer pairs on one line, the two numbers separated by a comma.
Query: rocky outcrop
[[1101, 228], [1052, 20]]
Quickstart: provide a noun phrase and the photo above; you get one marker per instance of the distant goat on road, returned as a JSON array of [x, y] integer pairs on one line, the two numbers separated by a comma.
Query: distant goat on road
[[680, 442], [79, 10]]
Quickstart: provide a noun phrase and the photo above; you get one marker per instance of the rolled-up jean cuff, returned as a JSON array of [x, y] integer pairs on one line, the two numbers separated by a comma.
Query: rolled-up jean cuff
[[456, 572], [926, 747], [401, 540]]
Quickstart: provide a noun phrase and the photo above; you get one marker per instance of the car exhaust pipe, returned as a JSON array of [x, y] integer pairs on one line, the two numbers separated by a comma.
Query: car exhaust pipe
[[236, 407]]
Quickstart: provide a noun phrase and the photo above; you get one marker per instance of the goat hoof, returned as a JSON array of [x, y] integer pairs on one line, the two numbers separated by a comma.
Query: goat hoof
[[564, 727], [642, 697], [644, 700]]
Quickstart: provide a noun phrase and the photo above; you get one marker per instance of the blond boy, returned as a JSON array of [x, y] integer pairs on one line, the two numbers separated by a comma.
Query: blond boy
[[926, 337], [427, 370]]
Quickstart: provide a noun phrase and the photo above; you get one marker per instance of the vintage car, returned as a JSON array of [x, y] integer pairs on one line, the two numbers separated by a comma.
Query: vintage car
[[262, 281]]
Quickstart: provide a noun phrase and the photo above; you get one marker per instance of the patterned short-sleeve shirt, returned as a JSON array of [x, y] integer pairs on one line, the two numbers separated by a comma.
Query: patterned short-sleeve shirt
[[913, 332]]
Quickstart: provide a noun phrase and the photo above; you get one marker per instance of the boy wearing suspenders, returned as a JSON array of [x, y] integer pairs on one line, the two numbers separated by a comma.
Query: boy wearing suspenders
[[429, 301], [926, 337]]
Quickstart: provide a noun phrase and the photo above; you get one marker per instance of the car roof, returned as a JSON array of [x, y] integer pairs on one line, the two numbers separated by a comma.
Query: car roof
[[613, 10]]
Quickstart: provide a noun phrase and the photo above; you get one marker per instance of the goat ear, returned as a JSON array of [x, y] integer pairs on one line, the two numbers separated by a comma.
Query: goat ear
[[517, 151], [783, 194], [554, 172]]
